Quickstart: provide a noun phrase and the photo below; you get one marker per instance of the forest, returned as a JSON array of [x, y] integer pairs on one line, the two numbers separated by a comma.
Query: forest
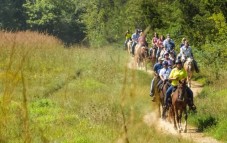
[[98, 23]]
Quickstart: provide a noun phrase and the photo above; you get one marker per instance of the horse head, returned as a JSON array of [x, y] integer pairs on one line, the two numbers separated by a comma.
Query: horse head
[[182, 89], [189, 67]]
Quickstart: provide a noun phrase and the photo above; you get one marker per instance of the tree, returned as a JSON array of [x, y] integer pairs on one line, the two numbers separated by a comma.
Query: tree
[[60, 18], [12, 15]]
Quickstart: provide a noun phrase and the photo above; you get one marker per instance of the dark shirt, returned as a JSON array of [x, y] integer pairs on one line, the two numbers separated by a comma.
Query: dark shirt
[[157, 67]]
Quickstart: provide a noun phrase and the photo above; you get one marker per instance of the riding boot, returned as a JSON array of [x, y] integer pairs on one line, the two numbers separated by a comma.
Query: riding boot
[[191, 104], [196, 66]]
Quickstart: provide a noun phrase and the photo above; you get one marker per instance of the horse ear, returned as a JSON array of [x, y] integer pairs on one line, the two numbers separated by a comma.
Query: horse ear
[[180, 82]]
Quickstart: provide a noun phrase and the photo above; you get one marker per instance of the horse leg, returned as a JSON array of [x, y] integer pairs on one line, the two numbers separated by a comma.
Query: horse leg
[[185, 118], [178, 120], [174, 117], [189, 80], [129, 47]]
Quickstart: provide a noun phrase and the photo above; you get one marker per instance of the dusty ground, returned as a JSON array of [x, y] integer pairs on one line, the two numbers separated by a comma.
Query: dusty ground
[[166, 127]]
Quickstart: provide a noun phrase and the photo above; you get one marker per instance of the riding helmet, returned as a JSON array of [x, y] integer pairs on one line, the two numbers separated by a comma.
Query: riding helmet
[[178, 62], [165, 63]]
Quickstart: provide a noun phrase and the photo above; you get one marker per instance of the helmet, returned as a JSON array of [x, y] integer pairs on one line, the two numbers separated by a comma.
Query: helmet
[[160, 59], [165, 63], [166, 53], [178, 62]]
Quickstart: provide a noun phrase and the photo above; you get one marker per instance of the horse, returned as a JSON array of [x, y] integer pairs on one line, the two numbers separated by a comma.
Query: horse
[[189, 67], [162, 94], [153, 52], [129, 45], [140, 56], [158, 99], [179, 105]]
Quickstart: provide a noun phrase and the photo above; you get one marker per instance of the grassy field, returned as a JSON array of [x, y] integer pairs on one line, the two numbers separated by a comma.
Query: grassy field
[[54, 94]]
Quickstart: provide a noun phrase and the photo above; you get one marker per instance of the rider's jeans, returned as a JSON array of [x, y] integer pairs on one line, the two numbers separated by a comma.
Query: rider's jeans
[[168, 93]]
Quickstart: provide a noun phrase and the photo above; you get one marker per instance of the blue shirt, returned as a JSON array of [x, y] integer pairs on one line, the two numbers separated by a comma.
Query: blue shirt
[[157, 67], [169, 45], [135, 36]]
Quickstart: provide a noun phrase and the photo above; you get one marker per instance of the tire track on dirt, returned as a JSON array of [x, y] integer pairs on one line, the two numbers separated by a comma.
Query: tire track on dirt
[[152, 119]]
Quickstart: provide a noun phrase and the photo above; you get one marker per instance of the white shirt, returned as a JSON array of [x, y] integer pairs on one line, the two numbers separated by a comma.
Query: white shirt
[[186, 51], [165, 72]]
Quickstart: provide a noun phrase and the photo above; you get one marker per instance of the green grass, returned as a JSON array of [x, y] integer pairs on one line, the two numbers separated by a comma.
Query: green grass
[[212, 109], [54, 94]]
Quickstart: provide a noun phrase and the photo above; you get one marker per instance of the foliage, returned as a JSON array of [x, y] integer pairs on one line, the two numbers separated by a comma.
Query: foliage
[[12, 15], [60, 18]]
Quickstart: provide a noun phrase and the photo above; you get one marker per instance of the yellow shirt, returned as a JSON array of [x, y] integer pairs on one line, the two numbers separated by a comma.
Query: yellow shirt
[[128, 35], [176, 73]]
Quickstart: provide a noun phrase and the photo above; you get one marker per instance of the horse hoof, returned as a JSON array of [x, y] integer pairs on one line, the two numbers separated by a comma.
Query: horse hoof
[[179, 131], [185, 131]]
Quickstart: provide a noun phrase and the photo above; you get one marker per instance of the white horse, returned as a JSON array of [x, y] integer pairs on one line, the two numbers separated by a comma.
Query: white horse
[[189, 67]]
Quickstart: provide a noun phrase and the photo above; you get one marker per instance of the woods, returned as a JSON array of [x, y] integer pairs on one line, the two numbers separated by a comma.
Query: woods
[[98, 23], [103, 22]]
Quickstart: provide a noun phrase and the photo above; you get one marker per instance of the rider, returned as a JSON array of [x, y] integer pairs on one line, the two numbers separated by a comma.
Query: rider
[[169, 44], [164, 73], [154, 43], [135, 37], [155, 40], [127, 37], [177, 74], [186, 51], [182, 42], [142, 41], [160, 45], [157, 67], [166, 58]]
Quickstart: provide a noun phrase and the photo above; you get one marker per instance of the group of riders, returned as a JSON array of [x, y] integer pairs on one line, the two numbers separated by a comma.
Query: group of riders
[[168, 68]]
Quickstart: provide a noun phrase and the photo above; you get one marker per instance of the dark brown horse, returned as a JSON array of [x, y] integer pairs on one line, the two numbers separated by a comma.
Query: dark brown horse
[[163, 90], [179, 106]]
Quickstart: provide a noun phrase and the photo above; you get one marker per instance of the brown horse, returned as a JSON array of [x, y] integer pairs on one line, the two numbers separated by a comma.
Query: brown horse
[[163, 89], [189, 67], [158, 99], [153, 55], [179, 106], [140, 56]]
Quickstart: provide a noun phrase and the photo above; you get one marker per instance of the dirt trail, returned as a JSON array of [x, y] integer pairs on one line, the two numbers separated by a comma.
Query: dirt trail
[[167, 128]]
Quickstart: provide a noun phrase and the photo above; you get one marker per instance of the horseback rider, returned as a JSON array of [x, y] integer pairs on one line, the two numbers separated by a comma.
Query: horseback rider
[[127, 37], [157, 67], [186, 51], [166, 58], [142, 41], [177, 74], [168, 43], [160, 45], [135, 37], [182, 42], [164, 73]]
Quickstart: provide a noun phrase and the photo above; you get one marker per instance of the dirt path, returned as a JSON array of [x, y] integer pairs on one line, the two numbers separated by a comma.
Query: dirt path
[[166, 127]]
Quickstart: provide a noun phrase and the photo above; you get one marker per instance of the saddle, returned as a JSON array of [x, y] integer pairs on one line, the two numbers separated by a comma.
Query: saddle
[[160, 86]]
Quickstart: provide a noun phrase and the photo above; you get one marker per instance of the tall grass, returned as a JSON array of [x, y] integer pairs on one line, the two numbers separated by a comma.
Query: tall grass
[[54, 94], [212, 109]]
